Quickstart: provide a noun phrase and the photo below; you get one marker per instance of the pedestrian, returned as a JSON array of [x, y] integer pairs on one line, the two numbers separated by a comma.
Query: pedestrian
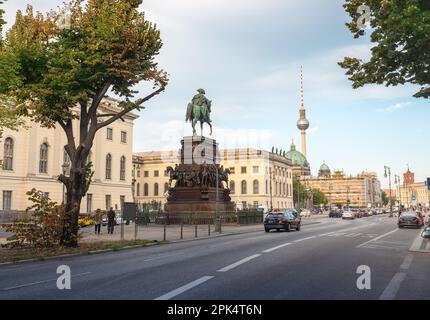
[[98, 218], [111, 220]]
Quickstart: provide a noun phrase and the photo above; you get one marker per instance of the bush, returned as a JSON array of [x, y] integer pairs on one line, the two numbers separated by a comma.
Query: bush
[[43, 228]]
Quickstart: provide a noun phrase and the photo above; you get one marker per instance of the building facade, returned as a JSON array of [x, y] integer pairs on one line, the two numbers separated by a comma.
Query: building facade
[[360, 191], [413, 194], [34, 157], [258, 178]]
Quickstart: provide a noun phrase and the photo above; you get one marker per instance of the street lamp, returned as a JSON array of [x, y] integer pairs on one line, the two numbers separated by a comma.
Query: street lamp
[[65, 168], [388, 169], [271, 195], [397, 182]]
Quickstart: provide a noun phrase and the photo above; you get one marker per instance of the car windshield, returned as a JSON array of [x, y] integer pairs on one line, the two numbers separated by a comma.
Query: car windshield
[[409, 214], [275, 214]]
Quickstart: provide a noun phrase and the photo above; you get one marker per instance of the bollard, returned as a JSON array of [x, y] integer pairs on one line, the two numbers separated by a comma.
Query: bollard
[[196, 230], [164, 236], [182, 231], [209, 229]]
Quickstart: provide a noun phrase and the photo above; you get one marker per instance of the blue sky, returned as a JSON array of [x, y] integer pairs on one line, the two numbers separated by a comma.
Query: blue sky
[[247, 55]]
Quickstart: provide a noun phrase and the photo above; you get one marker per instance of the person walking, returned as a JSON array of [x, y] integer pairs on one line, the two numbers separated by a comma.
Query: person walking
[[98, 218], [111, 220]]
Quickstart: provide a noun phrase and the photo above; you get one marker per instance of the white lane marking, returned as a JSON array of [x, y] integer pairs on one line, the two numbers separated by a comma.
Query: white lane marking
[[184, 288], [416, 245], [43, 281], [407, 262], [347, 229], [276, 248], [393, 287], [236, 264], [304, 239], [377, 238]]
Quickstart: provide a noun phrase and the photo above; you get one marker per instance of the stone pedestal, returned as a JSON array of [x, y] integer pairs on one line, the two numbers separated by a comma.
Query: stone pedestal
[[193, 193]]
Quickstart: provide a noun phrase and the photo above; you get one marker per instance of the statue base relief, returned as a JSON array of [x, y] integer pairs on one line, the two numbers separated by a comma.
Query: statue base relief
[[193, 192]]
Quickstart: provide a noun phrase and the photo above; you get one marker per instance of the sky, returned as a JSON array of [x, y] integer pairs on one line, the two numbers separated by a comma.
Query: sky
[[247, 55]]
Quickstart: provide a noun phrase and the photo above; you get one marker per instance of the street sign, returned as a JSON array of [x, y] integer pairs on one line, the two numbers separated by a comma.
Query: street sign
[[413, 198]]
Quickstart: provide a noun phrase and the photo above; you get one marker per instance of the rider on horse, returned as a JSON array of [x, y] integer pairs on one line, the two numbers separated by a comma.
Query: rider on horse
[[199, 110]]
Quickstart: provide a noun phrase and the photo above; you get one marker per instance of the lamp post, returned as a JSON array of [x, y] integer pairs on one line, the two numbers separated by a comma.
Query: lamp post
[[397, 182], [388, 170], [347, 197], [271, 195], [217, 215], [65, 167]]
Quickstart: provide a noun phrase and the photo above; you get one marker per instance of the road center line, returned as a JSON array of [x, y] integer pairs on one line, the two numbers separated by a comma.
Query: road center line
[[236, 264], [377, 238], [304, 239], [276, 248], [43, 281], [184, 288]]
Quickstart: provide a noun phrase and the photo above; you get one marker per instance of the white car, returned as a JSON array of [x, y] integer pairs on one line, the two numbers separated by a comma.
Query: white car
[[305, 213], [348, 215]]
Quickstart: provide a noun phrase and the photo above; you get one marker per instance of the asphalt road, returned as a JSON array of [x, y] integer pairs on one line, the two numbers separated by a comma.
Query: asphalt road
[[318, 262]]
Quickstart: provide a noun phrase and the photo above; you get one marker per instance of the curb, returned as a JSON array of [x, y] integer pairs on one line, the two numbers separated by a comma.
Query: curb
[[88, 253]]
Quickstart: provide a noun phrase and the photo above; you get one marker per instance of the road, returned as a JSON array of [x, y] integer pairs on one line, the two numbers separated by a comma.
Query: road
[[318, 262]]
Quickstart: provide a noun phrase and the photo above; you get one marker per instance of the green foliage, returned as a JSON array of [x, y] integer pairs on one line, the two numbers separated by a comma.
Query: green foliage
[[385, 199], [319, 197], [401, 34], [43, 228], [300, 194]]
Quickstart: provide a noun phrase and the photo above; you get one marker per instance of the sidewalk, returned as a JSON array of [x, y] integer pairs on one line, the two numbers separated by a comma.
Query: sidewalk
[[173, 232]]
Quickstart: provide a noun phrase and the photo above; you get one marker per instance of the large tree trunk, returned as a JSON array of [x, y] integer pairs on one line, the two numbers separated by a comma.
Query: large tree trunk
[[75, 192]]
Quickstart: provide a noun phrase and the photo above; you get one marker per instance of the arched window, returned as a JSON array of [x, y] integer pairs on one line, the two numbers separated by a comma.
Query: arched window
[[138, 189], [108, 174], [244, 187], [155, 189], [8, 154], [166, 187], [232, 187], [43, 161], [122, 169], [145, 189], [256, 187]]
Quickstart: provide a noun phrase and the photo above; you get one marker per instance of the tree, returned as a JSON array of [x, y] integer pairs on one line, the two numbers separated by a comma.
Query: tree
[[64, 73], [9, 117], [384, 198], [401, 32], [319, 197], [300, 194]]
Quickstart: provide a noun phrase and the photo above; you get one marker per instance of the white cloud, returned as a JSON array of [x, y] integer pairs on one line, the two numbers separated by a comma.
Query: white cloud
[[394, 107]]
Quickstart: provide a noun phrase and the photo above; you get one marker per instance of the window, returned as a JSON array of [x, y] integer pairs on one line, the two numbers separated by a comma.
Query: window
[[89, 202], [256, 204], [121, 202], [156, 173], [146, 174], [108, 201], [244, 191], [7, 200], [243, 170], [256, 187], [138, 173], [145, 190], [155, 189], [123, 137], [122, 169], [8, 154], [138, 189], [232, 170], [255, 169], [232, 187], [108, 174], [43, 162], [109, 133]]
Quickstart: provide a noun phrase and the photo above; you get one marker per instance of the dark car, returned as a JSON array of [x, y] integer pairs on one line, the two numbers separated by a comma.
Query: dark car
[[410, 219], [335, 213], [282, 220]]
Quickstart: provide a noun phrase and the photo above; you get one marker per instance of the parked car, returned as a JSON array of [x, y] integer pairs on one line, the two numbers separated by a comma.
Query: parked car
[[426, 233], [410, 219], [335, 213], [282, 220], [305, 213], [348, 214]]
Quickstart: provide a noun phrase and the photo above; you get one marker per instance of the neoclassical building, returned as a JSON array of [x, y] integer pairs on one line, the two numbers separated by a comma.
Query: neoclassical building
[[258, 178], [33, 157], [359, 191]]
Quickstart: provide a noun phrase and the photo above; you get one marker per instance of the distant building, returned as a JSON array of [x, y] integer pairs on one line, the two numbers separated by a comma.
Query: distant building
[[413, 193], [258, 178], [33, 157], [362, 190], [301, 166]]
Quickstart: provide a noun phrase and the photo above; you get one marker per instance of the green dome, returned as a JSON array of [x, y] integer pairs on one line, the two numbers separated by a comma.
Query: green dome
[[324, 167], [297, 157]]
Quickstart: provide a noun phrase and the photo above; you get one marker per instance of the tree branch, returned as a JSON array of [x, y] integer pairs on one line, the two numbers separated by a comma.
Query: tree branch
[[135, 105]]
